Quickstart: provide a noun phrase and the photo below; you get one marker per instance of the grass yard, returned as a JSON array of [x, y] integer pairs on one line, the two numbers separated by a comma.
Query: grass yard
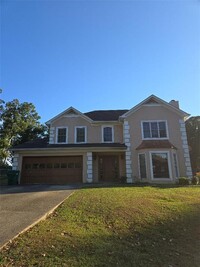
[[115, 226]]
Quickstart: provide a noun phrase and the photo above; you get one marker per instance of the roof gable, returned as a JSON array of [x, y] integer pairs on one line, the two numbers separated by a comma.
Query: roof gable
[[70, 112], [153, 100]]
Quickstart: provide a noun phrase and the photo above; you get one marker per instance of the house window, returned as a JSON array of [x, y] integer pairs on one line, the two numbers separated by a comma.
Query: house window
[[107, 134], [142, 166], [80, 134], [61, 135], [154, 129], [160, 165]]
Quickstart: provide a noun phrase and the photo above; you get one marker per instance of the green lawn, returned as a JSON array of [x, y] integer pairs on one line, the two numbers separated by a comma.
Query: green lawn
[[115, 226]]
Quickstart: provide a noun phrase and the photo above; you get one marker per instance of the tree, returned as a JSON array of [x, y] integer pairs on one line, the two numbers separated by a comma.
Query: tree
[[19, 123], [193, 135]]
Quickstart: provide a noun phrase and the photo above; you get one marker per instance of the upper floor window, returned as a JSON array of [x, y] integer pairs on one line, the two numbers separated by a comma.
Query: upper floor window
[[107, 134], [80, 134], [154, 129], [62, 135]]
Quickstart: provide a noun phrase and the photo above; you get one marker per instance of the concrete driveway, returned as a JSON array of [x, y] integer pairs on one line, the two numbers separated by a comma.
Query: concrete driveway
[[23, 206]]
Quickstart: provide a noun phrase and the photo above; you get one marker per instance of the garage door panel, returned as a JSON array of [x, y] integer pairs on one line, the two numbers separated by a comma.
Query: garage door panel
[[52, 170]]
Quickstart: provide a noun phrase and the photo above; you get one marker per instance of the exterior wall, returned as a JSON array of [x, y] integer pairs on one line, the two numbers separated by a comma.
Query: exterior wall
[[128, 132], [156, 112], [93, 132]]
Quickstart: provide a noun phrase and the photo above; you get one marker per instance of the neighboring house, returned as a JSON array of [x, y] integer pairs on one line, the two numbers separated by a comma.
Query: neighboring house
[[147, 143]]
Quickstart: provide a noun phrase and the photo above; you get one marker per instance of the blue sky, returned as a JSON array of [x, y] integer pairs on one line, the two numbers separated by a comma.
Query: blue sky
[[100, 54]]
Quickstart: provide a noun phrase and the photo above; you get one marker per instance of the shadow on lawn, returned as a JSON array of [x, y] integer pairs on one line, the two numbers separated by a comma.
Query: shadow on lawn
[[175, 243], [172, 244]]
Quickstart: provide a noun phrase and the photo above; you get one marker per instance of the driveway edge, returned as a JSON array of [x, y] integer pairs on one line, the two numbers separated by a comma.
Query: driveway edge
[[44, 217]]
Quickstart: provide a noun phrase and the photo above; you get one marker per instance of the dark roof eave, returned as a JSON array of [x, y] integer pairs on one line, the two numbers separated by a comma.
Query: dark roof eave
[[112, 146]]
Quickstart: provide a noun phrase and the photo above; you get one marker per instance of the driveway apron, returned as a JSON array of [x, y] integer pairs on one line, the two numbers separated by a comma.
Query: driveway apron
[[23, 206]]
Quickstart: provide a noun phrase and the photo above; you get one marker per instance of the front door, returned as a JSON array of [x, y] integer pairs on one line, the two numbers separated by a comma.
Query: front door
[[109, 168]]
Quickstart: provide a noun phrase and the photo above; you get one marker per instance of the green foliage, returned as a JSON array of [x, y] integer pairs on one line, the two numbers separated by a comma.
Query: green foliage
[[193, 135], [195, 180], [123, 179], [183, 181], [19, 123]]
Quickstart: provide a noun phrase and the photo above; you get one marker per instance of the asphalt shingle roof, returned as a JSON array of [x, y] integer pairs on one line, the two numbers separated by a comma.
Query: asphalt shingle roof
[[105, 115], [155, 144], [44, 143]]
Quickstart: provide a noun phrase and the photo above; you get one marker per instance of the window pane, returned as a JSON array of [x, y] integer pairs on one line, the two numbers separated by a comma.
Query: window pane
[[80, 135], [154, 130], [27, 166], [42, 166], [107, 134], [49, 165], [142, 163], [162, 129], [146, 130], [62, 132], [56, 165], [63, 165], [77, 165], [160, 165], [70, 165], [35, 166]]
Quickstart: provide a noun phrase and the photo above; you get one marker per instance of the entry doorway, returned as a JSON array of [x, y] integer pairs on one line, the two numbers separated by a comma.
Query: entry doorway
[[108, 168]]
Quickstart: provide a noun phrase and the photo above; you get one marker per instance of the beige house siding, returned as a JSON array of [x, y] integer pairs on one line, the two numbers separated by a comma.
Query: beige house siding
[[93, 131], [154, 112]]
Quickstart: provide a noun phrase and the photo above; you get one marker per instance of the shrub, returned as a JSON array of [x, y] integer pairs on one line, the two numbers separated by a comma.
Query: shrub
[[195, 180], [123, 179], [183, 181]]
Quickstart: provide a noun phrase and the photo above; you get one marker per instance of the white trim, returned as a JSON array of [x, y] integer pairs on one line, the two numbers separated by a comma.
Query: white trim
[[177, 163], [169, 165], [61, 127], [185, 149], [75, 134], [102, 133], [155, 138], [159, 101], [68, 110], [89, 167], [145, 165]]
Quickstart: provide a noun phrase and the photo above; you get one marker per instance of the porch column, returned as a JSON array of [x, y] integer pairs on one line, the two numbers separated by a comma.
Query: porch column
[[89, 168], [128, 152]]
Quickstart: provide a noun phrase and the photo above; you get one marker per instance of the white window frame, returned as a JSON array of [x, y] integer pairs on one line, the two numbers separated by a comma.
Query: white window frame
[[174, 154], [145, 165], [155, 138], [61, 127], [75, 134], [169, 165], [102, 133]]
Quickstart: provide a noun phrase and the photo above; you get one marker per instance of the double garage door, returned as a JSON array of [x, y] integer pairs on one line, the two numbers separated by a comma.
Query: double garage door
[[52, 170]]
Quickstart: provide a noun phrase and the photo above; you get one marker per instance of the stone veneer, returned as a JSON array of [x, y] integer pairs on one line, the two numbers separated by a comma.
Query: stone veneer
[[89, 167], [185, 148], [15, 165], [127, 142], [52, 135]]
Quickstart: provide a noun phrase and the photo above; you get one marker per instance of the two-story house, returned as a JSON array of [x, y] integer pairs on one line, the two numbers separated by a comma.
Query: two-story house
[[147, 143]]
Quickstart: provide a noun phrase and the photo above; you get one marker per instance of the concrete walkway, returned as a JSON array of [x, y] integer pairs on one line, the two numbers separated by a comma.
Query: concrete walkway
[[23, 206]]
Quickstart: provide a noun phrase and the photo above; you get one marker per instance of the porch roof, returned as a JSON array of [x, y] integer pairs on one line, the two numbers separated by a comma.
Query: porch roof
[[44, 144], [155, 144]]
